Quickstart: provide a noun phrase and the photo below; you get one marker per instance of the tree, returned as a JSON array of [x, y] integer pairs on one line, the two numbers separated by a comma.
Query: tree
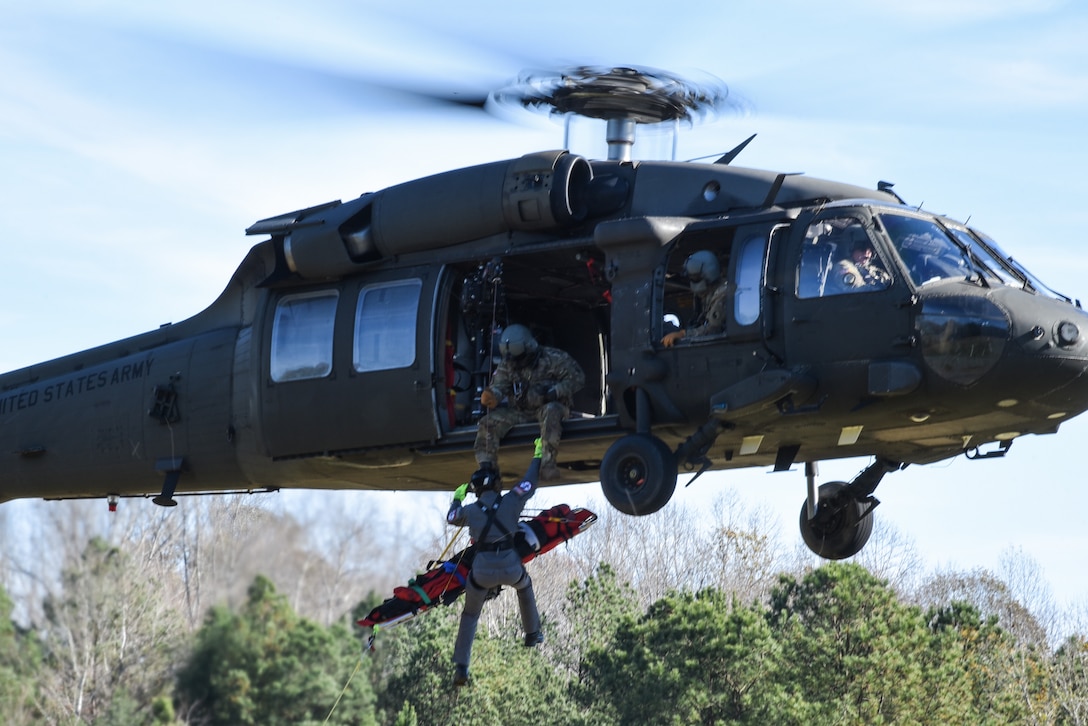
[[990, 595], [971, 667], [510, 684], [850, 647], [692, 658], [1070, 678], [106, 632], [593, 610], [266, 665], [19, 666]]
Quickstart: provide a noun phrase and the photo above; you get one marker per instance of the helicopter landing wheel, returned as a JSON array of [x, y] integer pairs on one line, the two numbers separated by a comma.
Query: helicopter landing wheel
[[842, 524], [638, 474]]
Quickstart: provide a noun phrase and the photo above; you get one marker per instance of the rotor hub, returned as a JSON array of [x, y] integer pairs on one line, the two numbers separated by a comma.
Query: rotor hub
[[623, 97]]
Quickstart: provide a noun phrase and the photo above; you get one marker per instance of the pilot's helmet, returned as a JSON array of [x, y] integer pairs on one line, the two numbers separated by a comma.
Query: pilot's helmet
[[517, 345], [702, 270]]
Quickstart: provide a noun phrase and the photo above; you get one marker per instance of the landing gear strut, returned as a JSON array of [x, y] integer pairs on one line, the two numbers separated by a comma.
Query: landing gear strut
[[836, 520]]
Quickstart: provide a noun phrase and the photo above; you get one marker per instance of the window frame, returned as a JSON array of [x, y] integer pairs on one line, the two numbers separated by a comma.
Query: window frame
[[392, 353], [748, 291], [284, 363]]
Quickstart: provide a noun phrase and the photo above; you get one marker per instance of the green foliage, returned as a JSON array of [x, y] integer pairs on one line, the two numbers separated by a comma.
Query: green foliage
[[123, 710], [1070, 674], [691, 659], [985, 673], [407, 716], [106, 635], [850, 647], [20, 662], [836, 646], [268, 666], [856, 654], [593, 610], [413, 662], [509, 683]]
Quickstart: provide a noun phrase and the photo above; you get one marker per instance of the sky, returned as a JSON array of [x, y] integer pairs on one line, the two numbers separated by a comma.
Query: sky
[[138, 141]]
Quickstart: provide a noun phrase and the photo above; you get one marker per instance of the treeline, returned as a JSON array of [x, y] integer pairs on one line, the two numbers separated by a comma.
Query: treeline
[[232, 614]]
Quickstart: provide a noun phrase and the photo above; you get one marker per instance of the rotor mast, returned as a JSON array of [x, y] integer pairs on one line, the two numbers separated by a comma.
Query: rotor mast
[[622, 97]]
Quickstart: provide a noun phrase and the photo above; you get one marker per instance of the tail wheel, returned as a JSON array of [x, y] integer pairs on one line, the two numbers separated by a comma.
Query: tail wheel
[[842, 524], [638, 474]]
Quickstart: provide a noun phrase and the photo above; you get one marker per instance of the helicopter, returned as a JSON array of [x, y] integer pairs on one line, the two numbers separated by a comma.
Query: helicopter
[[349, 349]]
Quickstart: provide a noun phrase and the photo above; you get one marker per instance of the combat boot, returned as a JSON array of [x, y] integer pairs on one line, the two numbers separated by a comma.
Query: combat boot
[[548, 469]]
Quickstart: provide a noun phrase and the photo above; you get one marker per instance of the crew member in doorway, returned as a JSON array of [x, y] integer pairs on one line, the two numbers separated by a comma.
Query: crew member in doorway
[[492, 522], [704, 274], [536, 383]]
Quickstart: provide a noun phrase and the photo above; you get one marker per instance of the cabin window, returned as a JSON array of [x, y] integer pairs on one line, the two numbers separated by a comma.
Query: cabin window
[[837, 258], [385, 326], [749, 279], [302, 333]]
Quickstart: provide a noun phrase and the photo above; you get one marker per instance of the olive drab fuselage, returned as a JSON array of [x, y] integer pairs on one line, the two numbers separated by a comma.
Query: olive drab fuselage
[[349, 348]]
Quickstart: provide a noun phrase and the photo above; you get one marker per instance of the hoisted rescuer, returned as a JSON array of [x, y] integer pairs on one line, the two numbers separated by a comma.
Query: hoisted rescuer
[[492, 521]]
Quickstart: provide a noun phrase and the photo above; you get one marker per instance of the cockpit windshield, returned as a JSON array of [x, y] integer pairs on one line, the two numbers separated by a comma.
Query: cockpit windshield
[[927, 251], [995, 269], [932, 251], [1030, 281]]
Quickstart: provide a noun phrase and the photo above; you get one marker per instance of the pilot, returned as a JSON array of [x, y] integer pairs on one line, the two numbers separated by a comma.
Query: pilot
[[492, 522], [537, 383], [704, 274], [862, 269]]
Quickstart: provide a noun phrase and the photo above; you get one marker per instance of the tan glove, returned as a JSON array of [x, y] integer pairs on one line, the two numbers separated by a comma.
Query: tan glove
[[488, 399], [671, 339]]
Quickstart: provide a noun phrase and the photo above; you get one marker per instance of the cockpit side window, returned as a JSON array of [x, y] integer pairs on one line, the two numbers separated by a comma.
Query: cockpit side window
[[302, 335], [837, 258], [749, 279], [928, 253], [385, 326]]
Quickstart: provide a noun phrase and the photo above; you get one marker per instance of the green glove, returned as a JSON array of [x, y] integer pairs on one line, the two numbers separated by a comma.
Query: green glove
[[460, 492], [539, 450]]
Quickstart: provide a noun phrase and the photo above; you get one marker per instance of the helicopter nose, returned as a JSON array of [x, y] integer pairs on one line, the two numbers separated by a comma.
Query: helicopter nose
[[1051, 346], [1024, 352], [962, 337]]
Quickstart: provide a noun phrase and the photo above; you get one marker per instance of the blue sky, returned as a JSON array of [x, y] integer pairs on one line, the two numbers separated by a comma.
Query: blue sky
[[138, 140]]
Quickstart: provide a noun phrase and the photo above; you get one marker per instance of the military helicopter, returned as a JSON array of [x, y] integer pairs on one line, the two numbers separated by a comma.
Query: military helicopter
[[349, 349]]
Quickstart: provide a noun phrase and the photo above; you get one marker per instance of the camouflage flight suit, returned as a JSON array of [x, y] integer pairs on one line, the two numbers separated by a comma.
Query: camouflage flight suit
[[863, 274], [713, 318], [542, 391], [496, 562]]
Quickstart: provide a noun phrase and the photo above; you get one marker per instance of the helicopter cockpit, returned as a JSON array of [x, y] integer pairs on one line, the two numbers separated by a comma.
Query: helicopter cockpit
[[940, 249], [828, 264]]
